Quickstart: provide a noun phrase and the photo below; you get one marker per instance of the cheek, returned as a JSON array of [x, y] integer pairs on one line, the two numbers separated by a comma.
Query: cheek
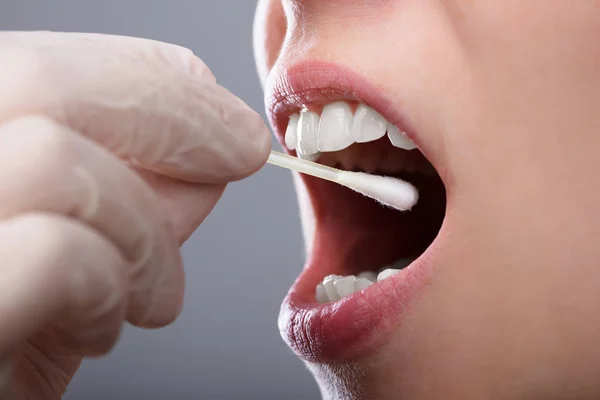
[[269, 33], [535, 68], [520, 284], [524, 145]]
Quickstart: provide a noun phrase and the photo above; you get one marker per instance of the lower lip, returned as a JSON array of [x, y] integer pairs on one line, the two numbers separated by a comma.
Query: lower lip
[[358, 324]]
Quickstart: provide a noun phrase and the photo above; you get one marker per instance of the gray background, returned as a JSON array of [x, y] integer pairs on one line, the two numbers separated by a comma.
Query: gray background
[[240, 262]]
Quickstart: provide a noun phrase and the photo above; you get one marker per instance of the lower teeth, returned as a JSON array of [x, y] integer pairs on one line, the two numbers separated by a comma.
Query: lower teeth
[[336, 287]]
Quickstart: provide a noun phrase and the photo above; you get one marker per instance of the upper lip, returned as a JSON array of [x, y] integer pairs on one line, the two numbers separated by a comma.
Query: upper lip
[[317, 83]]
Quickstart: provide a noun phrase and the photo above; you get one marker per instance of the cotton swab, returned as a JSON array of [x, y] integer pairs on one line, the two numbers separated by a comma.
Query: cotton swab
[[389, 191]]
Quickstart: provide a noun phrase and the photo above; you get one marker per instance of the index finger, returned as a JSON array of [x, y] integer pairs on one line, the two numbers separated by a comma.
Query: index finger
[[151, 103]]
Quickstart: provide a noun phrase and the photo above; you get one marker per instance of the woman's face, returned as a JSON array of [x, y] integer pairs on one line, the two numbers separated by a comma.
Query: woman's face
[[502, 299]]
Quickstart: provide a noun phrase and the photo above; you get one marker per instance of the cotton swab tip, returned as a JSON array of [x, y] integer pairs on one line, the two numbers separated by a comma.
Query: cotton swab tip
[[389, 191]]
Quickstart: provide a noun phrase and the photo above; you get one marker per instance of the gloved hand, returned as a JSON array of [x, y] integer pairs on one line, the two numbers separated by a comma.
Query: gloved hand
[[112, 151]]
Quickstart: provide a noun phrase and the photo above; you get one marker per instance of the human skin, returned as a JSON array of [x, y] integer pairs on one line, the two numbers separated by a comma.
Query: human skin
[[503, 99]]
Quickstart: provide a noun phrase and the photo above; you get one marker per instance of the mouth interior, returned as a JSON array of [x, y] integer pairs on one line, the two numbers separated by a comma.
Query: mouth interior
[[357, 235]]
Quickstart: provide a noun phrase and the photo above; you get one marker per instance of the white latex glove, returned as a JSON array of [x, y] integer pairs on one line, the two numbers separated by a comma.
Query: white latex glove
[[112, 151]]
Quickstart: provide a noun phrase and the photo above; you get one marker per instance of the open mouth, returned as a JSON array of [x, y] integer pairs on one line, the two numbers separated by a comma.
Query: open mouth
[[355, 137], [367, 261]]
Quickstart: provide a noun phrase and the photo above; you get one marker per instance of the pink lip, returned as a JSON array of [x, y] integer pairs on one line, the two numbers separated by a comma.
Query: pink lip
[[356, 325], [362, 322]]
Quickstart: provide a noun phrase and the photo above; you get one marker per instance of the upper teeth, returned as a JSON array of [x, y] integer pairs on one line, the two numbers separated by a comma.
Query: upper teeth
[[337, 128], [368, 124], [336, 287], [308, 126]]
